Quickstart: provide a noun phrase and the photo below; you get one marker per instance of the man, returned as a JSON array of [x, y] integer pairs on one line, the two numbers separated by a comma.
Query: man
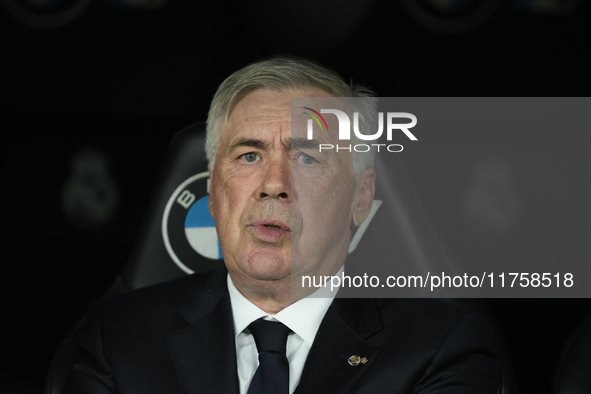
[[281, 210]]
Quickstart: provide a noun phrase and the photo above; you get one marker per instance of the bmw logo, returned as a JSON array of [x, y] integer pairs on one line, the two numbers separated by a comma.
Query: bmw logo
[[188, 230]]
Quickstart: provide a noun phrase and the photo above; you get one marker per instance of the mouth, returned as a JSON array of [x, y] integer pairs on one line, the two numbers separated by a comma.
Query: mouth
[[270, 230]]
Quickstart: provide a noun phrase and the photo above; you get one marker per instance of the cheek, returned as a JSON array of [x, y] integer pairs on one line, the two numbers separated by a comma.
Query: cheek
[[325, 208], [219, 203], [232, 192], [231, 198]]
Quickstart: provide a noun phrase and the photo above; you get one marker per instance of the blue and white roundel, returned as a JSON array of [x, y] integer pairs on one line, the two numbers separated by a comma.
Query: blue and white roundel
[[200, 230], [188, 230]]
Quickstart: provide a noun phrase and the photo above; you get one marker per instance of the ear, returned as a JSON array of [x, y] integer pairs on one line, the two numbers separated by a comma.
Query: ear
[[209, 199], [366, 188]]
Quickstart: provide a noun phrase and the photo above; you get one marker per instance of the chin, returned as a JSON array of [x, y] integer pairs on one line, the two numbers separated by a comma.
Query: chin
[[267, 265]]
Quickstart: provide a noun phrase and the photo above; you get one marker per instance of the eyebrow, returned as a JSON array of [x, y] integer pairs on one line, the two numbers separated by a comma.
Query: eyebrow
[[302, 143], [249, 142], [293, 143]]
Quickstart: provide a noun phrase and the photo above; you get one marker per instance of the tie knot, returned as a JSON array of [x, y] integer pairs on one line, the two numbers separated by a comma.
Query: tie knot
[[270, 336]]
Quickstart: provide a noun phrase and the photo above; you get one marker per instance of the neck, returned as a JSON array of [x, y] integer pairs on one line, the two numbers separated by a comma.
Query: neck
[[274, 296], [269, 297]]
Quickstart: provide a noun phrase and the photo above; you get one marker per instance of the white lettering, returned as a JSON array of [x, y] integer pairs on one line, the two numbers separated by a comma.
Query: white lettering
[[344, 123], [404, 127], [186, 198], [395, 151], [372, 136]]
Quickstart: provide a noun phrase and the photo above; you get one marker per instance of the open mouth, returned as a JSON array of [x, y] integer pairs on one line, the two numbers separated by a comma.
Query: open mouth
[[270, 230]]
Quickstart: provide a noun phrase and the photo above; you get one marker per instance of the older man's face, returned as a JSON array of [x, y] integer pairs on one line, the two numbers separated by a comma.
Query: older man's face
[[275, 204]]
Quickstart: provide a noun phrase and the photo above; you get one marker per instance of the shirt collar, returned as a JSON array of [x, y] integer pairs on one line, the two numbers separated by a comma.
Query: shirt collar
[[314, 309]]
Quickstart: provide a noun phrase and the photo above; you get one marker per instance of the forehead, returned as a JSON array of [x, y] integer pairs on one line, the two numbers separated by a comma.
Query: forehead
[[264, 110]]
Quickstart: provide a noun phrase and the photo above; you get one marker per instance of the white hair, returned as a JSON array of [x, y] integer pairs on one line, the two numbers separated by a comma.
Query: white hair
[[281, 74]]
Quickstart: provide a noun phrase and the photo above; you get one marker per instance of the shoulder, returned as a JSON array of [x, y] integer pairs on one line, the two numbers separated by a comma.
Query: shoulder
[[163, 299], [126, 337], [433, 344], [438, 342], [434, 321], [410, 318]]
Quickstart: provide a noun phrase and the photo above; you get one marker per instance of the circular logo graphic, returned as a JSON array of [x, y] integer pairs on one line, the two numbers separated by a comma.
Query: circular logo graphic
[[90, 196], [188, 230], [451, 16], [200, 230]]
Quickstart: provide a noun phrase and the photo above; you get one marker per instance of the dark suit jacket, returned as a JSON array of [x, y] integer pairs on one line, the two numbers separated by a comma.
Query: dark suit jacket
[[178, 337]]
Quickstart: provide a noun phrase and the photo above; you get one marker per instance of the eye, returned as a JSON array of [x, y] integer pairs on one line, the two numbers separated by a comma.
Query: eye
[[307, 159], [250, 157]]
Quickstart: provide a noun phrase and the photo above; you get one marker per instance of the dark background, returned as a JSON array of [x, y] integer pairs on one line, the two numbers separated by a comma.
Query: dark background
[[123, 80]]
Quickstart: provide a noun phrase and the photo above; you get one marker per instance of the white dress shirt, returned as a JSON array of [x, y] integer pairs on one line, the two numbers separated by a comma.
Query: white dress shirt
[[303, 317]]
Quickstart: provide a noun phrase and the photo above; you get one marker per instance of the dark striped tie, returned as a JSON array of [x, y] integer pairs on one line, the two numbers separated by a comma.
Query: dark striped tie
[[272, 375]]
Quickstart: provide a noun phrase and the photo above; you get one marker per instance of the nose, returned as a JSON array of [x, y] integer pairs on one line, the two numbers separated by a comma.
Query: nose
[[276, 182]]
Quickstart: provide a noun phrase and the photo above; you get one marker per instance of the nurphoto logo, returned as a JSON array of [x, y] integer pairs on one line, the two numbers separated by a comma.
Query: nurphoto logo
[[345, 129]]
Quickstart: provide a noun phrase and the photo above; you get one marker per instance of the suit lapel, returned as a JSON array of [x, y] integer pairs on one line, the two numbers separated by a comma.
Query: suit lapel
[[341, 335], [204, 354]]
